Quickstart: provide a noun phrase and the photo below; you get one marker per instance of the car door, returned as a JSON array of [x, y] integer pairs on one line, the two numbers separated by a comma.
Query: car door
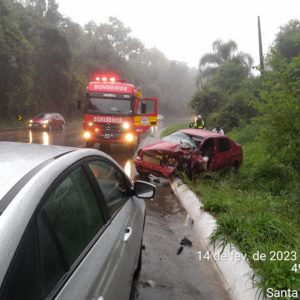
[[223, 155], [208, 153], [55, 120], [72, 248], [124, 232], [146, 114]]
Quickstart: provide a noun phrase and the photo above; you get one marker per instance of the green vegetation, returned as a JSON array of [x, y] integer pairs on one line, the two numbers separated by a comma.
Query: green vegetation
[[46, 60], [257, 209], [174, 128]]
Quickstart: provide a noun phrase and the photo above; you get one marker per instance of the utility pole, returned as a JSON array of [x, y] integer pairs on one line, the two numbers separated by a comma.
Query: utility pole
[[261, 56]]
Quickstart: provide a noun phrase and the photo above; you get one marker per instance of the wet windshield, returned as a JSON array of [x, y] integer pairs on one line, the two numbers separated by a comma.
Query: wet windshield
[[179, 137], [110, 106], [42, 116]]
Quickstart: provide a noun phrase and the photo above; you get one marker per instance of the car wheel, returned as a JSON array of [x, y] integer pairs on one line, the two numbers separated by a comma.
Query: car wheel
[[89, 144]]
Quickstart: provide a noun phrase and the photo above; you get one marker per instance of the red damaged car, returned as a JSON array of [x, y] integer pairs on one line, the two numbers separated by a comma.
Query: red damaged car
[[191, 151]]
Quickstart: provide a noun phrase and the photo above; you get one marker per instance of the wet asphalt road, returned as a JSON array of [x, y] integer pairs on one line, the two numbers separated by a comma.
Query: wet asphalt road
[[164, 273]]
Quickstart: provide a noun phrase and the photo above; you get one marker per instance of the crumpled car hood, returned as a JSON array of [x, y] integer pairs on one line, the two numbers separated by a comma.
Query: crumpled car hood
[[163, 146]]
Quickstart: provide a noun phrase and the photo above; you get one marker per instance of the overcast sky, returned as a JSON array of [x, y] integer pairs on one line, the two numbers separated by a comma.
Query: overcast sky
[[185, 30]]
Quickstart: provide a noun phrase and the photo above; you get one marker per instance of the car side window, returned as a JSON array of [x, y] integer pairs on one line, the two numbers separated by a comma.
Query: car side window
[[112, 183], [73, 213], [149, 106], [58, 234], [223, 145]]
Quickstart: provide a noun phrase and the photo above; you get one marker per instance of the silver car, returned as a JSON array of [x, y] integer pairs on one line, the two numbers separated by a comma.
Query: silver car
[[71, 224]]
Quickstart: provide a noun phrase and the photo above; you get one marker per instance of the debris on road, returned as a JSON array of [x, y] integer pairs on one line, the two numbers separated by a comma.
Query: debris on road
[[186, 242], [150, 283], [180, 250]]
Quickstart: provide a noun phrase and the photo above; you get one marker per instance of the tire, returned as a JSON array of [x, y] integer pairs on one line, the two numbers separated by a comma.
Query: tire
[[89, 144]]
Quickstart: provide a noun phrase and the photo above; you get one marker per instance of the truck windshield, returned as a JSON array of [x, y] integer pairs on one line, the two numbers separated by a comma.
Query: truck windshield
[[109, 106]]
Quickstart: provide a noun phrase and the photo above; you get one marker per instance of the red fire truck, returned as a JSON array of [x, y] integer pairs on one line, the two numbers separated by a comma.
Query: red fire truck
[[116, 112]]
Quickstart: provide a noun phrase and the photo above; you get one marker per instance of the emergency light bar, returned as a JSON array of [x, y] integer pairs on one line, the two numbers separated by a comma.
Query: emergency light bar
[[107, 79]]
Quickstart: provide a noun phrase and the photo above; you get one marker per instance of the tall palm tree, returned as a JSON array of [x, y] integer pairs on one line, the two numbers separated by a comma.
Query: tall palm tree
[[223, 52]]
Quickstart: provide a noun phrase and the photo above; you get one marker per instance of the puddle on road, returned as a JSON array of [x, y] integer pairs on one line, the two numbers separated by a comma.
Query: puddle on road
[[164, 201]]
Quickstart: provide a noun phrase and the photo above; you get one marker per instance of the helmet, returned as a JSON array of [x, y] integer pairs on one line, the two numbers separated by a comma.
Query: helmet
[[199, 117]]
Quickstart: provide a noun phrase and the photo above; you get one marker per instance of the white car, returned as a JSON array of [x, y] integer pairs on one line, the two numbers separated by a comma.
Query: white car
[[71, 224]]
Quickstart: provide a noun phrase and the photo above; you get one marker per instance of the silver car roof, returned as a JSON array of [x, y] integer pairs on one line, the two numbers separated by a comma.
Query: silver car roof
[[18, 159]]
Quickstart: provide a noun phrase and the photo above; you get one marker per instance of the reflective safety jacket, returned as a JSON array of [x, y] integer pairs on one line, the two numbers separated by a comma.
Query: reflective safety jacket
[[199, 126]]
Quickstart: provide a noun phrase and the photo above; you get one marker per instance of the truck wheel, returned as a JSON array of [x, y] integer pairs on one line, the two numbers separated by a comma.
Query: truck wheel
[[89, 144]]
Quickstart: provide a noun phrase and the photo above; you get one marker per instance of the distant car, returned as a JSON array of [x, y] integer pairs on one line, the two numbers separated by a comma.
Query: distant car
[[160, 117], [71, 224], [48, 121], [191, 151]]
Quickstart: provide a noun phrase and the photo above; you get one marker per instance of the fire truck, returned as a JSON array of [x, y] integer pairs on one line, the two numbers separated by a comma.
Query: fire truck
[[116, 113]]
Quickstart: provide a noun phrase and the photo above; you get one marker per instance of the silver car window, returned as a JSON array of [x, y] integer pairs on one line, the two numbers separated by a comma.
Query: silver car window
[[112, 183], [74, 214]]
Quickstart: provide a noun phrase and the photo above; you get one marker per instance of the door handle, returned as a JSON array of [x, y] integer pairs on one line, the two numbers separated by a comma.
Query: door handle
[[128, 232]]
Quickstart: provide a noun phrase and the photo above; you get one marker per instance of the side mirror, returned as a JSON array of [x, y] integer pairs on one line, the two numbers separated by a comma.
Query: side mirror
[[78, 104], [143, 189]]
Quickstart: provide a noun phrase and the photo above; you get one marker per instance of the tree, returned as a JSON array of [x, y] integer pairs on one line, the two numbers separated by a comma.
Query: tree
[[223, 53], [15, 66], [206, 101], [226, 86], [279, 110], [287, 42]]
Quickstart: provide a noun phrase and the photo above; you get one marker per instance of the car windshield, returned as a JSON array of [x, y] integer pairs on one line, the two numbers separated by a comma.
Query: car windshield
[[110, 106], [180, 137], [42, 116]]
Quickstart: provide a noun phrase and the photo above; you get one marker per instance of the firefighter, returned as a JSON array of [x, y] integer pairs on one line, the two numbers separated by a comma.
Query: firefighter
[[199, 123]]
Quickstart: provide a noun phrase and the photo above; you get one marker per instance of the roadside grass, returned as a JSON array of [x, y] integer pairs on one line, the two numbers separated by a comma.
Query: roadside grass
[[173, 128], [254, 221], [257, 209]]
